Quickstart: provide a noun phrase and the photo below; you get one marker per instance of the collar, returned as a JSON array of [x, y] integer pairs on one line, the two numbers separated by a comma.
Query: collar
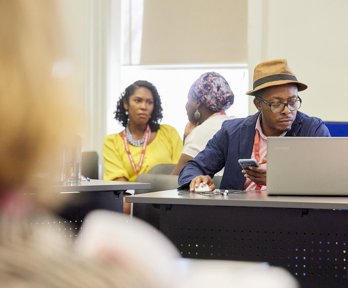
[[259, 128]]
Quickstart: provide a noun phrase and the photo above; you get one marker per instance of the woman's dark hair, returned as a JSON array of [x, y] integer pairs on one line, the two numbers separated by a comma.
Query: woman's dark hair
[[156, 117]]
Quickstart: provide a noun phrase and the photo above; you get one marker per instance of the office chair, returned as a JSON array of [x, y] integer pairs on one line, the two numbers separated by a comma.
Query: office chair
[[158, 182], [159, 177], [217, 181], [89, 164], [337, 128], [162, 169]]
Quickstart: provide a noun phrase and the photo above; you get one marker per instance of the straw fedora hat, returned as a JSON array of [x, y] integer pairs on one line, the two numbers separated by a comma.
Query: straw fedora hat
[[273, 73]]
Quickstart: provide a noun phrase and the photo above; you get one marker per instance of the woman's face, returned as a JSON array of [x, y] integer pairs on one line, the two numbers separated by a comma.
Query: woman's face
[[191, 106], [140, 106]]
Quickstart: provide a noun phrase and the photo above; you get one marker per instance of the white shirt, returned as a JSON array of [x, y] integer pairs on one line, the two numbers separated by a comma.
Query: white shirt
[[200, 135]]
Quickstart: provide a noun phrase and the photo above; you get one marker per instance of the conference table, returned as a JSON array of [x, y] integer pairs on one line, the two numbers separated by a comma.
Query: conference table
[[87, 195], [308, 236], [94, 185]]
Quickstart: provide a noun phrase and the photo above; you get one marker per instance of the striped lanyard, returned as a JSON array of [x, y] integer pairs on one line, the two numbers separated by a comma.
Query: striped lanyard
[[256, 149], [143, 149]]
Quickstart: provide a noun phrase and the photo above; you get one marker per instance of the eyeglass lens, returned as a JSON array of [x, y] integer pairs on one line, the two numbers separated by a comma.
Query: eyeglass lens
[[279, 106]]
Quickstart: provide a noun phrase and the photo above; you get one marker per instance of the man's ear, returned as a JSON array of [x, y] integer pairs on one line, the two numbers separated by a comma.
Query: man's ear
[[257, 104]]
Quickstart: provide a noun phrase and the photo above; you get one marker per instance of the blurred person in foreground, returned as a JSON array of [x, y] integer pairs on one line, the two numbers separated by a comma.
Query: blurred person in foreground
[[208, 98], [276, 97], [33, 250]]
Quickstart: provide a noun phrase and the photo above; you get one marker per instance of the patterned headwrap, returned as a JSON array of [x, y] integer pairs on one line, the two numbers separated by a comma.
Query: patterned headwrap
[[212, 90]]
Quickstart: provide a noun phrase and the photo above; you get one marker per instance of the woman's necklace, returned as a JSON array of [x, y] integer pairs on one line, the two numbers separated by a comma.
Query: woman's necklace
[[146, 138], [139, 142]]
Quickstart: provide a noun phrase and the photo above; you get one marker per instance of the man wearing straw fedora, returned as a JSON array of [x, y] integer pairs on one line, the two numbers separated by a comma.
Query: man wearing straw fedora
[[275, 91]]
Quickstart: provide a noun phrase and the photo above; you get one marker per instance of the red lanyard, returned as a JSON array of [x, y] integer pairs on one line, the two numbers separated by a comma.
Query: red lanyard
[[136, 169], [256, 147]]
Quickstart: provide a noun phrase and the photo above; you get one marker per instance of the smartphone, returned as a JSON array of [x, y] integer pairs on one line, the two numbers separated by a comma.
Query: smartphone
[[244, 163]]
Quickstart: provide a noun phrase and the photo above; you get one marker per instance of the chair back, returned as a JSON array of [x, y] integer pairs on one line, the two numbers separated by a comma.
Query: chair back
[[158, 182], [337, 128], [162, 169], [217, 180], [159, 177], [90, 164]]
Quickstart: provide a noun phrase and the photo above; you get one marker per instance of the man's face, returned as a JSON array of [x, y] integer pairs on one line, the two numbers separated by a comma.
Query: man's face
[[275, 123]]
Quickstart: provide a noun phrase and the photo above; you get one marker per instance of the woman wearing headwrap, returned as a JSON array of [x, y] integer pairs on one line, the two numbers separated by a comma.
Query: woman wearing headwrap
[[209, 96]]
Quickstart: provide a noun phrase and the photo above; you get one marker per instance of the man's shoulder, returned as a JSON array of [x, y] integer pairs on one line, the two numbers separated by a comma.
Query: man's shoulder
[[306, 125], [304, 118]]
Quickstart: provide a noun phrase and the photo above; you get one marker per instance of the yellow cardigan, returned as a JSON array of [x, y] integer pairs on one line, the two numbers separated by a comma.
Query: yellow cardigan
[[166, 148]]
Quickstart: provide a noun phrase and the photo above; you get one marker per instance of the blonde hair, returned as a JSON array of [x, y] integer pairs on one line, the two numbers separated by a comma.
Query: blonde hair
[[35, 115], [36, 121], [36, 255]]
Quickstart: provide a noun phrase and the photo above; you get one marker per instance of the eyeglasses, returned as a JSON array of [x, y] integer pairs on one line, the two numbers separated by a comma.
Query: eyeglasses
[[278, 107]]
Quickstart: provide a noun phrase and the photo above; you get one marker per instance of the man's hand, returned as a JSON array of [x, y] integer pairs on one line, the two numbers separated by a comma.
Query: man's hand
[[256, 174], [202, 179]]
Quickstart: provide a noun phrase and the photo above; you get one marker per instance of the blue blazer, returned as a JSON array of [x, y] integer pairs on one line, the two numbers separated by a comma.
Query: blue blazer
[[235, 140]]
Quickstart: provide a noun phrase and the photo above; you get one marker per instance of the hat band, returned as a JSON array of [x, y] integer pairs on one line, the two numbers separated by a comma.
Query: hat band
[[272, 78]]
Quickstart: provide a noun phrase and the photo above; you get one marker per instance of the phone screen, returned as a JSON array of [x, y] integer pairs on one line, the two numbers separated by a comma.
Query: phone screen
[[244, 163]]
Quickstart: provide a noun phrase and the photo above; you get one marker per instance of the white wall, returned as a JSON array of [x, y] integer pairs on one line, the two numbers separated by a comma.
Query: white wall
[[309, 33], [173, 83], [312, 35], [94, 32]]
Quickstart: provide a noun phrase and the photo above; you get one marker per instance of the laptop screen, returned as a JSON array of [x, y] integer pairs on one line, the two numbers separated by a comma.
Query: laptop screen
[[307, 165]]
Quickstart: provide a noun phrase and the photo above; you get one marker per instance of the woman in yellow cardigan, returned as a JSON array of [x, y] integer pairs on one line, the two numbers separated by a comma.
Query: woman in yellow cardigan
[[144, 143]]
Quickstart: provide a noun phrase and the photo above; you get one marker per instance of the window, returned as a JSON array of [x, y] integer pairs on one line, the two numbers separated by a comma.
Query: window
[[173, 83], [139, 24]]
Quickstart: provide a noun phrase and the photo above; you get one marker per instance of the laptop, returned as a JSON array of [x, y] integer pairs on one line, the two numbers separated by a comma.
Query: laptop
[[307, 166]]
